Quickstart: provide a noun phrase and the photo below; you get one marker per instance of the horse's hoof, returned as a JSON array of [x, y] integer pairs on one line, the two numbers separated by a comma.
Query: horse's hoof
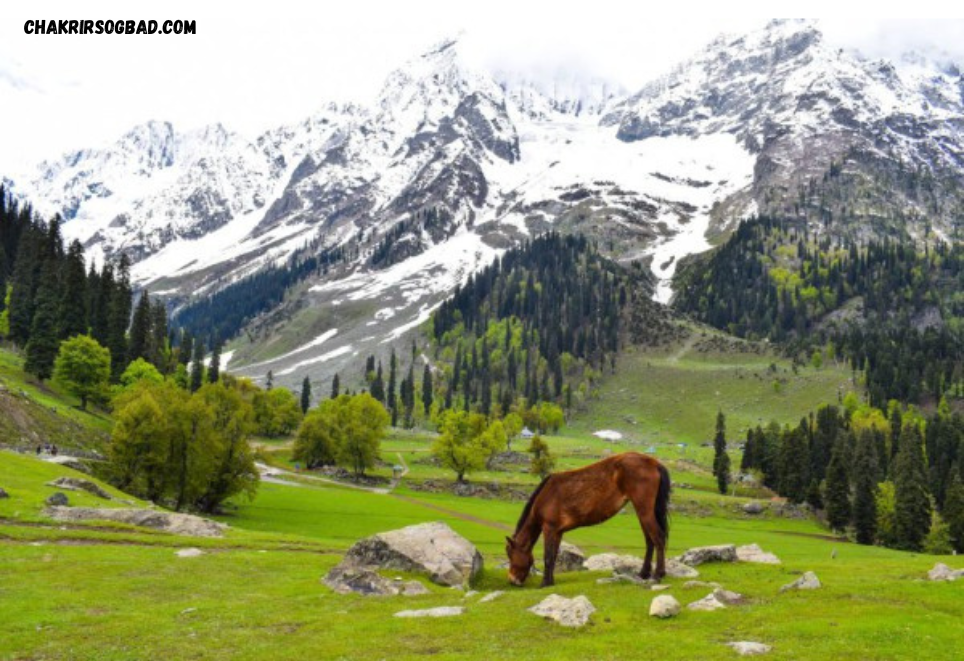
[[547, 584], [646, 574]]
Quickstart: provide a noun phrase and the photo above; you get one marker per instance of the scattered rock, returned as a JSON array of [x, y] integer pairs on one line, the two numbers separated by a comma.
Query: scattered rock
[[172, 522], [625, 577], [3, 493], [677, 569], [430, 548], [808, 581], [942, 572], [701, 584], [70, 462], [728, 597], [664, 606], [492, 596], [697, 556], [77, 484], [570, 558], [469, 594], [753, 508], [58, 499], [614, 562], [659, 587], [747, 648], [187, 611], [707, 603], [573, 612], [441, 611], [189, 553], [365, 581], [753, 553]]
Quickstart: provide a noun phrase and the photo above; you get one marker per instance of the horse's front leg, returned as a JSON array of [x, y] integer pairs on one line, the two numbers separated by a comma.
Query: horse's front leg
[[551, 541]]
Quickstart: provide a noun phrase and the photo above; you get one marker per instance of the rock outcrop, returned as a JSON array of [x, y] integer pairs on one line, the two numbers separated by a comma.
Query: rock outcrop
[[753, 553], [573, 612], [441, 611], [570, 558], [749, 648], [808, 581], [171, 522], [942, 572], [58, 499], [77, 484], [368, 582], [697, 556], [427, 548]]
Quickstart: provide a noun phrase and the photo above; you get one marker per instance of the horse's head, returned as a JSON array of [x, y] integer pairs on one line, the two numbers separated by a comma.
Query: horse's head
[[520, 562]]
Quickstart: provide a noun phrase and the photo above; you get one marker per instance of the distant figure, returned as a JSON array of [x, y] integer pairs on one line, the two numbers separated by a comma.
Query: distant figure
[[53, 450], [40, 449]]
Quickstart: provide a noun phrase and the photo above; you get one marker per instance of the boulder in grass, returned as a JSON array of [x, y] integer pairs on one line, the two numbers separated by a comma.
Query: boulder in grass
[[441, 611], [573, 612], [697, 556], [677, 569], [753, 553], [428, 548], [664, 606], [570, 558], [58, 499], [171, 522], [77, 484], [3, 493], [728, 597], [749, 648], [189, 553], [367, 582], [808, 581], [942, 572], [624, 564], [753, 508], [707, 603]]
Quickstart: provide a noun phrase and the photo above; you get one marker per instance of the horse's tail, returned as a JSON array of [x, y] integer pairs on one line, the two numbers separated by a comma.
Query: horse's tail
[[662, 501]]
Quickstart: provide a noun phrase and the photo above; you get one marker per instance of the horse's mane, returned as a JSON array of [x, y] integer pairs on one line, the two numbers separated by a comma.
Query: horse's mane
[[528, 508]]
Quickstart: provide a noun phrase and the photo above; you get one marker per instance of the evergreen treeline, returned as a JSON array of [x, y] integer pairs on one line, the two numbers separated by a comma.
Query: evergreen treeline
[[224, 313], [774, 279], [893, 478]]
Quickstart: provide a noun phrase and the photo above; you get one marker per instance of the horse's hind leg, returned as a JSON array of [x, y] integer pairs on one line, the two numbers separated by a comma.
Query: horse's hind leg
[[647, 569], [653, 534], [551, 539]]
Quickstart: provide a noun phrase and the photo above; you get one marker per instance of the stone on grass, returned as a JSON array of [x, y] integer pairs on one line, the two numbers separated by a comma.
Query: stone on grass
[[659, 587], [570, 558], [573, 612], [492, 596], [613, 562], [748, 648], [808, 581], [172, 522], [625, 577], [58, 499], [697, 556], [367, 582], [77, 484], [677, 569], [189, 553], [428, 548], [701, 584], [728, 597], [707, 603], [753, 508], [441, 611], [942, 572], [663, 606], [3, 493], [753, 553]]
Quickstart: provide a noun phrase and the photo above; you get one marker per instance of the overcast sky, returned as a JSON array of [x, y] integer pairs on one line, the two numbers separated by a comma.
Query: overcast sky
[[262, 64]]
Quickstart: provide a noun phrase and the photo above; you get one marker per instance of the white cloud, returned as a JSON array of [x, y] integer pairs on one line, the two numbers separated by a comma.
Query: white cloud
[[256, 65]]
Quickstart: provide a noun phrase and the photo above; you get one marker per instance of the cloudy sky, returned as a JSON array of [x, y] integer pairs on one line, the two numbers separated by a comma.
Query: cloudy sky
[[263, 64]]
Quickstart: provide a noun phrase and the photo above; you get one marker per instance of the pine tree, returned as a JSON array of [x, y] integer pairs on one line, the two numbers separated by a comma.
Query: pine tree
[[721, 460], [186, 350], [306, 394], [335, 387], [119, 315], [159, 349], [73, 303], [865, 473], [43, 344], [378, 385], [794, 463], [912, 511], [954, 510], [392, 403], [269, 381], [100, 306], [140, 335], [26, 278], [837, 498], [214, 369], [197, 366], [427, 389]]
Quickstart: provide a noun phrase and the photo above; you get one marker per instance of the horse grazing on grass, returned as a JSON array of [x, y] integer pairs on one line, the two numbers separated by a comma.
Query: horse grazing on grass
[[587, 496]]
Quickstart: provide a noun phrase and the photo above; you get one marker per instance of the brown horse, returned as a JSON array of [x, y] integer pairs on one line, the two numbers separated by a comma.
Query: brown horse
[[587, 496]]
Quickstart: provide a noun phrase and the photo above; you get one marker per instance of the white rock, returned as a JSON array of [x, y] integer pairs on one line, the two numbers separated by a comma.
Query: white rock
[[189, 553], [570, 558], [942, 572], [659, 587], [573, 612], [700, 584], [614, 562], [664, 606], [720, 553], [677, 569], [492, 596], [808, 581], [441, 611], [728, 597], [747, 648], [707, 603], [753, 553]]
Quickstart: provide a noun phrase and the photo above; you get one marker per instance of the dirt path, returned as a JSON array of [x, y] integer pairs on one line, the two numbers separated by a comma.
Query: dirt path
[[685, 349], [277, 476]]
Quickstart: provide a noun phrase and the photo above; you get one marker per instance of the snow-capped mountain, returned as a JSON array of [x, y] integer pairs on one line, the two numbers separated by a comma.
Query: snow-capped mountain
[[454, 163]]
